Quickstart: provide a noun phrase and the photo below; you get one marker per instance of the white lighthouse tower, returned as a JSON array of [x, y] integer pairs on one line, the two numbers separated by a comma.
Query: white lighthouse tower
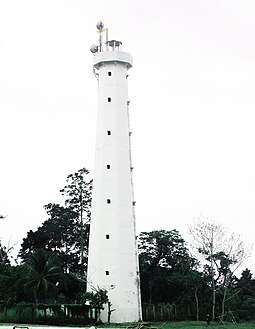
[[113, 258]]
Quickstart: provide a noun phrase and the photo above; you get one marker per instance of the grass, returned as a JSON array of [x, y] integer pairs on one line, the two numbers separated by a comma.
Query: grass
[[165, 325], [182, 325], [203, 325]]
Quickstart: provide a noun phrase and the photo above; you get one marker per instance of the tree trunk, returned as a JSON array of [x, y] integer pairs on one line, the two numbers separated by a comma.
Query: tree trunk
[[213, 298], [223, 303], [197, 305], [212, 276], [5, 314], [81, 220]]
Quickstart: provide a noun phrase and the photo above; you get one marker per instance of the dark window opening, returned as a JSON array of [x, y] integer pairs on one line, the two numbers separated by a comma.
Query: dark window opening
[[108, 166], [108, 132], [107, 273], [107, 236], [109, 73], [109, 99], [108, 201]]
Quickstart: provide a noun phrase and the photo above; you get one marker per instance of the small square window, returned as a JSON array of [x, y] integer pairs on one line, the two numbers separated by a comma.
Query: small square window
[[107, 236], [108, 201], [107, 273], [108, 166], [108, 132], [109, 73], [109, 99]]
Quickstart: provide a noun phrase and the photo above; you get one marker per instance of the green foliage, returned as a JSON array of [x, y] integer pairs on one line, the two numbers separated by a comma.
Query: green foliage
[[97, 299], [57, 314], [11, 286], [78, 199], [78, 192], [164, 265], [54, 260], [67, 228], [221, 254], [59, 234], [243, 296], [65, 235], [43, 276], [4, 259]]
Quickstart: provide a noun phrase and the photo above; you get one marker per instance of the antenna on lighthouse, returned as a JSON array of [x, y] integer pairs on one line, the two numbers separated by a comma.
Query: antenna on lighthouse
[[100, 28], [99, 48]]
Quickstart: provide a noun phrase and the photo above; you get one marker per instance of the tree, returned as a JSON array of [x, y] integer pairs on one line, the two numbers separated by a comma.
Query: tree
[[4, 259], [207, 240], [59, 234], [4, 251], [66, 232], [43, 275], [164, 263], [12, 284], [78, 193], [221, 255], [97, 299], [244, 296]]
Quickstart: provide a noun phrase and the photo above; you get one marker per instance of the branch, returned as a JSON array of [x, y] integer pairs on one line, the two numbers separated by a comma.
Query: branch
[[236, 292]]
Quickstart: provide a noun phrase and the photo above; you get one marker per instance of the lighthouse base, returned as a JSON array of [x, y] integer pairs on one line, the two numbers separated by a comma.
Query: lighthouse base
[[112, 315]]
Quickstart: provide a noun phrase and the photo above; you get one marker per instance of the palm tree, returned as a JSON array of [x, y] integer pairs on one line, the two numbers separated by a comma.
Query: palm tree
[[43, 275]]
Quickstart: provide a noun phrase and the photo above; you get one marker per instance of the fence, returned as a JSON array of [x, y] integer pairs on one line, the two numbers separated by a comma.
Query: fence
[[82, 314], [47, 314], [169, 312]]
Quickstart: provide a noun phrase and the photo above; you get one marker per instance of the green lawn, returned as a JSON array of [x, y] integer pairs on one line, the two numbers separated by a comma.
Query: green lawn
[[183, 325], [203, 325]]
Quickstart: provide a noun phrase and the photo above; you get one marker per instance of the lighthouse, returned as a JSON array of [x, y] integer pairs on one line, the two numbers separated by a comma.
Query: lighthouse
[[113, 254]]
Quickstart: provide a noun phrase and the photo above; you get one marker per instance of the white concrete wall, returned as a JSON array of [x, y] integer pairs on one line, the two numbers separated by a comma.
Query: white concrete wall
[[118, 254]]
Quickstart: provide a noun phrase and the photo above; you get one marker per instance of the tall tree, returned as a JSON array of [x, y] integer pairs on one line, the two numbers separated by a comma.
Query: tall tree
[[60, 233], [207, 240], [220, 252], [164, 261], [78, 198], [228, 261]]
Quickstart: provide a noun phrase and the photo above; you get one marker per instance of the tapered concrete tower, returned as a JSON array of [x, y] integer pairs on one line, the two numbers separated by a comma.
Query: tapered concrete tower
[[113, 259]]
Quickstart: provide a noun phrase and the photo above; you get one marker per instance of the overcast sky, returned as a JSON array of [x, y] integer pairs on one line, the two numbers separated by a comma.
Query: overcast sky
[[192, 93]]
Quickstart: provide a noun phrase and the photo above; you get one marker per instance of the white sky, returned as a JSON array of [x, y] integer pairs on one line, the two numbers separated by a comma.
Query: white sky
[[192, 92]]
